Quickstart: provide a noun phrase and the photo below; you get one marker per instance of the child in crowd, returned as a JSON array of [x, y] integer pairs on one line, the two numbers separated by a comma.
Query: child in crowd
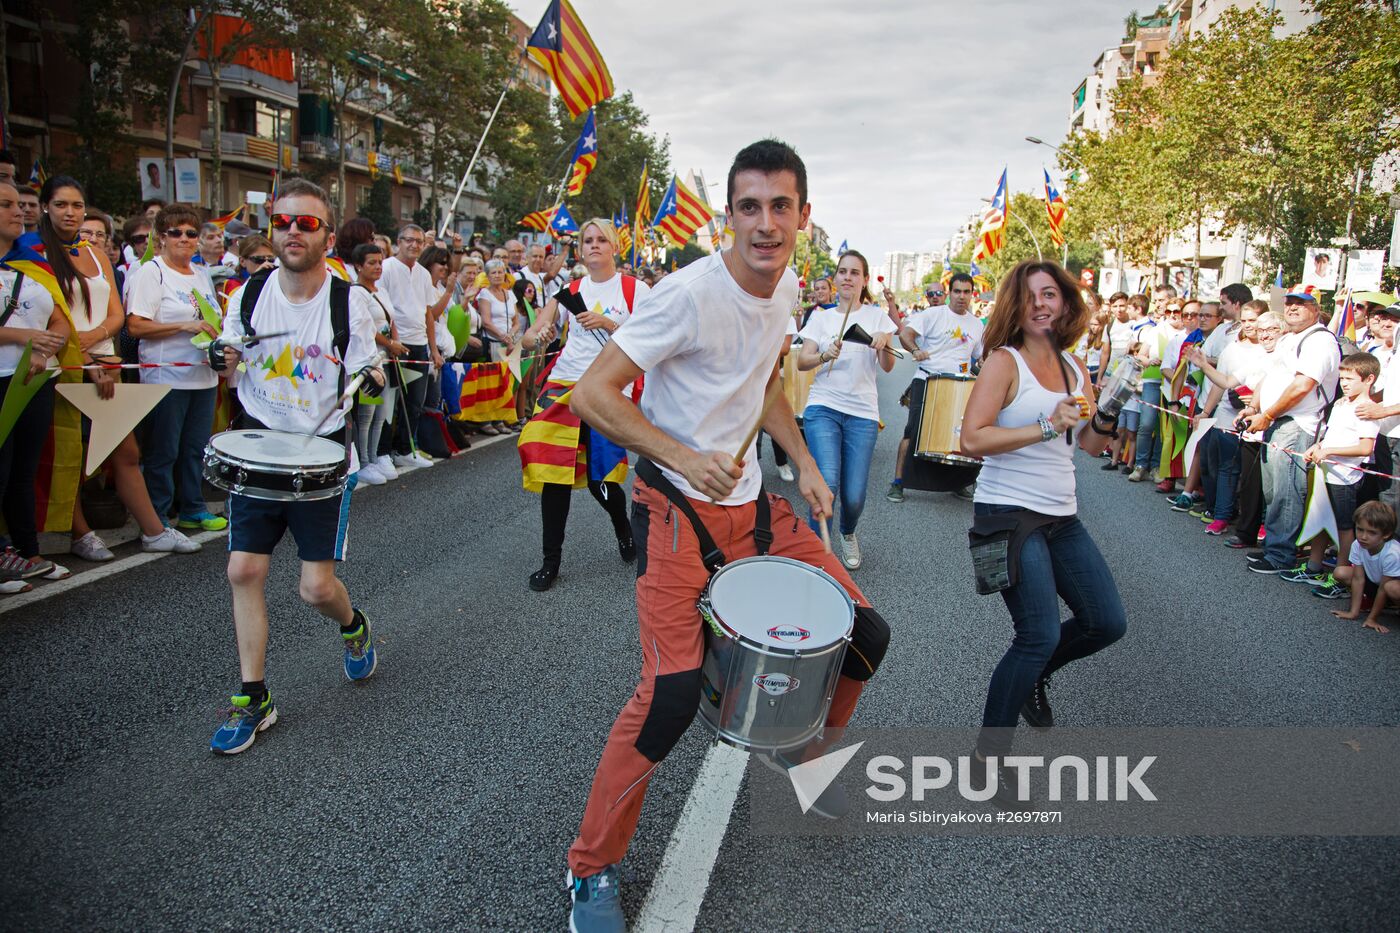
[[1347, 442], [1374, 571]]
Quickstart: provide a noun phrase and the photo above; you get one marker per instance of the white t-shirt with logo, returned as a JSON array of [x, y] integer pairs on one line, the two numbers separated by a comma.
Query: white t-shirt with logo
[[848, 384], [1346, 429], [952, 341], [410, 292], [33, 311], [583, 346], [164, 296], [293, 381], [1384, 564], [708, 348], [1313, 353]]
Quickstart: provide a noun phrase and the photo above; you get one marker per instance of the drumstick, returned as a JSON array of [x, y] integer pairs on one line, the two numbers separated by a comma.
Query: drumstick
[[839, 334], [774, 390], [826, 535], [349, 392]]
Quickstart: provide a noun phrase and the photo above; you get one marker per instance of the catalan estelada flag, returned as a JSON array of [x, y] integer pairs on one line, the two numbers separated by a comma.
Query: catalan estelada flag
[[561, 221], [624, 231], [562, 45], [993, 232], [1343, 323], [56, 486], [681, 213], [585, 155], [554, 448], [487, 393], [1056, 209], [37, 175], [224, 220], [643, 212], [537, 220]]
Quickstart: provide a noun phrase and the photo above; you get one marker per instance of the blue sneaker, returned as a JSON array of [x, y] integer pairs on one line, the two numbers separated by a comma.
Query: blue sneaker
[[360, 657], [242, 724], [202, 521], [596, 905]]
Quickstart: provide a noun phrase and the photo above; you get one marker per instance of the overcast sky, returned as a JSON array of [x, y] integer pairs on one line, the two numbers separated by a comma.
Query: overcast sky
[[905, 111]]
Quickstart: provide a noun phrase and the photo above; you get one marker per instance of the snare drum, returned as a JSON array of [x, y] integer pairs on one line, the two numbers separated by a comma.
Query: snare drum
[[775, 636], [940, 426], [276, 465]]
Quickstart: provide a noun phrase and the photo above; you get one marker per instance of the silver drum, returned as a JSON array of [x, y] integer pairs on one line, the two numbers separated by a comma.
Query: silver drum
[[775, 636], [276, 465]]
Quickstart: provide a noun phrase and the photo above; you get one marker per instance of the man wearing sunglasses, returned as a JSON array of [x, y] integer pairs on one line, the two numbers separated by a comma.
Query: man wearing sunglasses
[[326, 339]]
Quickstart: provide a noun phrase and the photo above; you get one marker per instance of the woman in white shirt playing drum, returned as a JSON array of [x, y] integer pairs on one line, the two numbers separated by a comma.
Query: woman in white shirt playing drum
[[1025, 409], [842, 417]]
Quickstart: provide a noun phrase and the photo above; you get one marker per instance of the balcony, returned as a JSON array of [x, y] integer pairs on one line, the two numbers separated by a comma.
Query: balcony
[[252, 147], [243, 80], [357, 155]]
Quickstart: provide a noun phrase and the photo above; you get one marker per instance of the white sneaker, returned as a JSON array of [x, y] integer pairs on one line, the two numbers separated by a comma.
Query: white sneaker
[[421, 460], [370, 476], [385, 466], [91, 547], [170, 541], [785, 473], [850, 551], [404, 462]]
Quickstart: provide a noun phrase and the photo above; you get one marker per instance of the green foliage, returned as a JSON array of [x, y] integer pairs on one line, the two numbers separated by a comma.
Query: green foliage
[[684, 256], [1262, 132], [379, 206], [823, 266]]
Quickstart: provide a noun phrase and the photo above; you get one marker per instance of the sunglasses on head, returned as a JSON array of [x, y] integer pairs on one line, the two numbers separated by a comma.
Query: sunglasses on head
[[186, 233], [306, 223]]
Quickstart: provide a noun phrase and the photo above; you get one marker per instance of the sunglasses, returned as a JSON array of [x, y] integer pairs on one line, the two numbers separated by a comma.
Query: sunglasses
[[138, 238], [261, 260], [306, 223], [186, 233]]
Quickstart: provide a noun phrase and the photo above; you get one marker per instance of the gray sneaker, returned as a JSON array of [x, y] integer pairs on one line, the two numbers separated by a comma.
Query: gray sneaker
[[91, 547], [1137, 475], [170, 541], [850, 552], [597, 907], [896, 493]]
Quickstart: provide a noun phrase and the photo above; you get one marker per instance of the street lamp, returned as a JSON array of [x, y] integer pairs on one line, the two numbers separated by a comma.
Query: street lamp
[[1038, 254], [1040, 142]]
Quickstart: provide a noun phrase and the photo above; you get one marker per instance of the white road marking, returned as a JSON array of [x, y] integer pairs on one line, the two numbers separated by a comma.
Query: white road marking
[[43, 591], [673, 903]]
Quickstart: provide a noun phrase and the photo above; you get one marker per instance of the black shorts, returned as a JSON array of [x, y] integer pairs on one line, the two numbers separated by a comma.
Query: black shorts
[[319, 528], [916, 407], [1344, 502]]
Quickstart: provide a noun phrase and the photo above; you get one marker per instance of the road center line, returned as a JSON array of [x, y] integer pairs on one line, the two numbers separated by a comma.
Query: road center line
[[673, 903]]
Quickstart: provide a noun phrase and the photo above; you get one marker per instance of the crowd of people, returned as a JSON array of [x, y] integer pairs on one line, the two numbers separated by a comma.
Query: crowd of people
[[140, 292]]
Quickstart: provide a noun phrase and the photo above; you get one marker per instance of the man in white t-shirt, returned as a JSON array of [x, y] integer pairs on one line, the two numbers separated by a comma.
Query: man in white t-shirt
[[544, 271], [409, 287], [708, 338], [945, 339], [1306, 360], [307, 370]]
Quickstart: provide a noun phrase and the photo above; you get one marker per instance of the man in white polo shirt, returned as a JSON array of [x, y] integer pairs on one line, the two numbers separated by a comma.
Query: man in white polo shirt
[[708, 338], [410, 290]]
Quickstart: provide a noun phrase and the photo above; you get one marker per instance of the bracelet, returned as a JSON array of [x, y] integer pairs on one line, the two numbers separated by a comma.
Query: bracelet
[[1112, 426], [1047, 430]]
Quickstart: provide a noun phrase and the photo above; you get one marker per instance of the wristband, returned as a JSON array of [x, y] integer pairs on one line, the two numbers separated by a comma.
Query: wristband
[[1112, 426], [1047, 430]]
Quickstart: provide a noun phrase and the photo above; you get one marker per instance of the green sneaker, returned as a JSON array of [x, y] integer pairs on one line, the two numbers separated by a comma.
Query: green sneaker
[[1330, 590], [202, 521], [1301, 574]]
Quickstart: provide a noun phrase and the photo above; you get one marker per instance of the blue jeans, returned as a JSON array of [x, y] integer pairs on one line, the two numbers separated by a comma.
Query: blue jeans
[[174, 454], [1149, 442], [1285, 491], [1220, 473], [842, 445], [1058, 561]]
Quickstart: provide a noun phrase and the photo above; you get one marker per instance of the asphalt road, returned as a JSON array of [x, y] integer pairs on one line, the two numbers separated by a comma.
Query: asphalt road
[[443, 793]]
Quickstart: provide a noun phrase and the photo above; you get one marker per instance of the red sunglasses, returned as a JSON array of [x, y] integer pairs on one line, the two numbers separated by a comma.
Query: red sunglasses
[[306, 223]]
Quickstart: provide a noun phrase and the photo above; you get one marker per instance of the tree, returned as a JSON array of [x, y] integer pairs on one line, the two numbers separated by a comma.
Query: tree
[[379, 207]]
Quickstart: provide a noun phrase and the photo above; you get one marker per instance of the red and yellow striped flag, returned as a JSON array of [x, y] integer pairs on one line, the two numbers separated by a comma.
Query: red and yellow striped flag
[[224, 220], [681, 213], [537, 220], [562, 45]]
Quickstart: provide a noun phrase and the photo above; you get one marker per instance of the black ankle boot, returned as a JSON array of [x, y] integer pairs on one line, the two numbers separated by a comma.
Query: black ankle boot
[[544, 578], [627, 548]]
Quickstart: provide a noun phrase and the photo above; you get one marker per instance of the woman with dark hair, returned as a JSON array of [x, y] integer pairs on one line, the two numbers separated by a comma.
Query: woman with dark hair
[[85, 277], [842, 417], [1021, 419], [351, 234]]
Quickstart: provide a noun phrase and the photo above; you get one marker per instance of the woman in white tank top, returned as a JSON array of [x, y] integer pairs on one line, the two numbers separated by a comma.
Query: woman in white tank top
[[1022, 419], [85, 276]]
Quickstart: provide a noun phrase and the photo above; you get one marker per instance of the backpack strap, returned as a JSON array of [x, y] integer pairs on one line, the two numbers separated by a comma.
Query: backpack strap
[[248, 301], [13, 301], [340, 325], [629, 291]]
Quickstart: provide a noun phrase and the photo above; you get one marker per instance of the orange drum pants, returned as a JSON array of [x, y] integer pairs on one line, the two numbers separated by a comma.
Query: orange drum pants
[[670, 579]]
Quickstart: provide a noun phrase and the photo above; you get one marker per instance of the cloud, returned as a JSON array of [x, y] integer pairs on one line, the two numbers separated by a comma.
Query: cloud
[[905, 112]]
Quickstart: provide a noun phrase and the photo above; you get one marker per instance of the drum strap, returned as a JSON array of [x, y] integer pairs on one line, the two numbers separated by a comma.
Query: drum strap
[[710, 554]]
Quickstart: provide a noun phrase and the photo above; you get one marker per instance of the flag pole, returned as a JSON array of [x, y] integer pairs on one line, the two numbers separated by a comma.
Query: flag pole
[[447, 217]]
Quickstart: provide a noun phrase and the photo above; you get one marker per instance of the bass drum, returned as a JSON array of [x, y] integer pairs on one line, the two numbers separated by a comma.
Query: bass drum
[[931, 474]]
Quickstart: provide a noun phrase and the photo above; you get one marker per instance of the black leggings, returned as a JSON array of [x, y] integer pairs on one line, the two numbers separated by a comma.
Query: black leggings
[[19, 465], [554, 510], [1251, 497]]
